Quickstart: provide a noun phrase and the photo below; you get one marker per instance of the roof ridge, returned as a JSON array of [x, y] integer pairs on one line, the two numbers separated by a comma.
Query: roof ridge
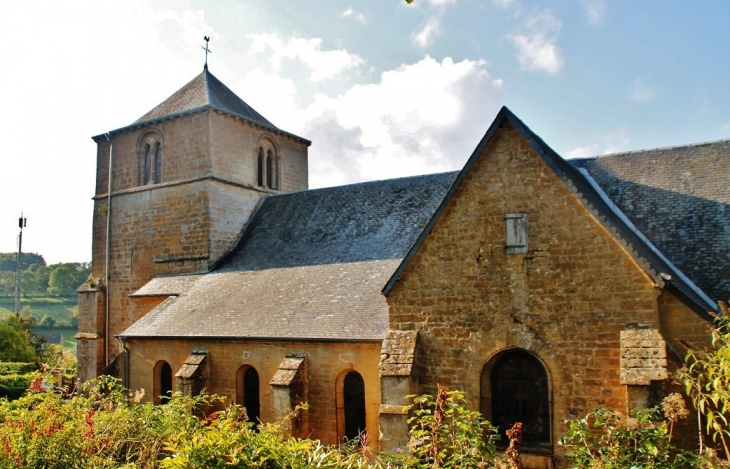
[[363, 183], [647, 150]]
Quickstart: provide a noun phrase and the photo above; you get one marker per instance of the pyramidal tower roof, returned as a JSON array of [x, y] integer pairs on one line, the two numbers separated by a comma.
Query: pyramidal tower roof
[[205, 91]]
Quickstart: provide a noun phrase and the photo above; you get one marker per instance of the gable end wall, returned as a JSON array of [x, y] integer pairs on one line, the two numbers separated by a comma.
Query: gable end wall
[[566, 300]]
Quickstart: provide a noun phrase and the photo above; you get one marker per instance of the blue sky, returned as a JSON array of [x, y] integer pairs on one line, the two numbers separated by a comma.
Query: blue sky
[[382, 88]]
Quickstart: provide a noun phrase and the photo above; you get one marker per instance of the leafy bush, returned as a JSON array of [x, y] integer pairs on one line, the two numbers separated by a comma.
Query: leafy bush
[[445, 433], [105, 428], [605, 439], [232, 442]]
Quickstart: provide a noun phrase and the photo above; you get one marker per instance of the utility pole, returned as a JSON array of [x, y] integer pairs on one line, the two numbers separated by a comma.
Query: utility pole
[[21, 225]]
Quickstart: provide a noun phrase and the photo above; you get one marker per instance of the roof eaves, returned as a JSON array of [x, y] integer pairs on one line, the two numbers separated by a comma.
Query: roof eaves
[[200, 109], [251, 338], [154, 121]]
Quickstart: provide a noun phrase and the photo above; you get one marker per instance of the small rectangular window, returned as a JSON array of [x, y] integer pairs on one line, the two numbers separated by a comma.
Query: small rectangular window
[[516, 224]]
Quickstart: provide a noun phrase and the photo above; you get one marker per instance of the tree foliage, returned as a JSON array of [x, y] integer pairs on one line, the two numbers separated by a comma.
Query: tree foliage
[[39, 279], [8, 259]]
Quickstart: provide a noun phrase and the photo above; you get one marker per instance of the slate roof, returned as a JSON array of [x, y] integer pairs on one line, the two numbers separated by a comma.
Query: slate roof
[[310, 265], [595, 200], [679, 197], [206, 92]]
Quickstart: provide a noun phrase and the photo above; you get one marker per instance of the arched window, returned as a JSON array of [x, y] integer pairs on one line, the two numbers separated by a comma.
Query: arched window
[[147, 164], [270, 176], [247, 392], [260, 167], [515, 389], [158, 163], [350, 405], [162, 382]]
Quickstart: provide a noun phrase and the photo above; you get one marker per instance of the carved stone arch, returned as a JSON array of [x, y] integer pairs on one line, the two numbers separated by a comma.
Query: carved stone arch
[[150, 147]]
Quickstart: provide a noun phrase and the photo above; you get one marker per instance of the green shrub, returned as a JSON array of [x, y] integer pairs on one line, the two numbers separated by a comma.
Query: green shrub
[[445, 433], [604, 439], [14, 385], [232, 442], [105, 428]]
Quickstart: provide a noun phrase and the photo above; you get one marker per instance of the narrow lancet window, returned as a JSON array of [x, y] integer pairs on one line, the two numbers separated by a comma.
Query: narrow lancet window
[[270, 170], [158, 163], [147, 164], [260, 167]]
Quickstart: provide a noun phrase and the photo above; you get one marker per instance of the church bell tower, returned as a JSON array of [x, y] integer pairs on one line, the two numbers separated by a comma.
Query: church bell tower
[[174, 191]]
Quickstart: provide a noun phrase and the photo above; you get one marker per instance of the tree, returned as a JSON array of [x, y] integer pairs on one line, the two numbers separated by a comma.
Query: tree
[[7, 260], [67, 277], [14, 343], [35, 280], [62, 281]]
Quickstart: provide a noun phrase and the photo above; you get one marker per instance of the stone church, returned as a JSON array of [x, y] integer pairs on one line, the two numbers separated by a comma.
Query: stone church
[[541, 287]]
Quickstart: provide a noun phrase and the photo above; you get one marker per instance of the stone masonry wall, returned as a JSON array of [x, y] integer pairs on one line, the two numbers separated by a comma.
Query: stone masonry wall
[[326, 361], [566, 300], [235, 152], [192, 217]]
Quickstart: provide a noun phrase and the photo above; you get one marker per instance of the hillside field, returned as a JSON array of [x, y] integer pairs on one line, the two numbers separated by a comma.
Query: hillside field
[[59, 309]]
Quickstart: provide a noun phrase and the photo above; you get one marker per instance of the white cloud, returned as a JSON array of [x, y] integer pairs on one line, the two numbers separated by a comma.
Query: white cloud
[[356, 15], [537, 49], [595, 10], [322, 65], [116, 47], [726, 128], [424, 37], [642, 91], [612, 142], [412, 121], [503, 3], [441, 2]]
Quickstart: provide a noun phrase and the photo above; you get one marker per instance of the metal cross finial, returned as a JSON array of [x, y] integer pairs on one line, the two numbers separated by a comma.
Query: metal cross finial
[[207, 51]]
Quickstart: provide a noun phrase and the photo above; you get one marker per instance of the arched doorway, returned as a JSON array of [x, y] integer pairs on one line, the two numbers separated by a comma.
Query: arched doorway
[[162, 382], [515, 388], [248, 393], [350, 405]]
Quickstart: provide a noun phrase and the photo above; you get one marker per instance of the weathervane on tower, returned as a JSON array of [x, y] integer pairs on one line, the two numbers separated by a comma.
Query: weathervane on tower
[[207, 51]]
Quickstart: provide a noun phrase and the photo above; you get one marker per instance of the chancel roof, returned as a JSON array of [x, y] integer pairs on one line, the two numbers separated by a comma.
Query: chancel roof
[[310, 265], [679, 198]]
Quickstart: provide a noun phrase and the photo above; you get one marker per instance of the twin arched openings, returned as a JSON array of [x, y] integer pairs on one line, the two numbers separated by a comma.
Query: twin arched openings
[[350, 400], [151, 159], [267, 166], [248, 392], [162, 382], [515, 388]]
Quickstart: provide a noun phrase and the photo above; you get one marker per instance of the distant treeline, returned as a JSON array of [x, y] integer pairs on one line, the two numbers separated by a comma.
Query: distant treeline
[[39, 279]]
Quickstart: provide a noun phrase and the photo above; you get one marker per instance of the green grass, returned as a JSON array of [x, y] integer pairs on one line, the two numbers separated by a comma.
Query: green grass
[[58, 308]]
